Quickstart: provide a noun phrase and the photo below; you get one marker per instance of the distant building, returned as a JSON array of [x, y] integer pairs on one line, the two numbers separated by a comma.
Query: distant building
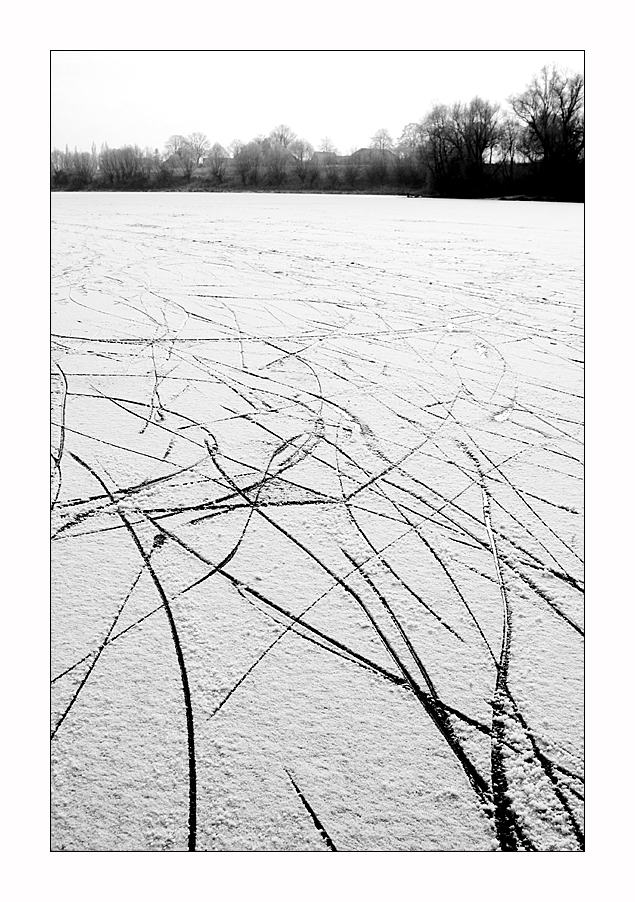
[[323, 156], [369, 155]]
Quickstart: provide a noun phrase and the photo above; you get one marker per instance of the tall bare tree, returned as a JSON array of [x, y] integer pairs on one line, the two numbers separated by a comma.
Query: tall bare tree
[[509, 146], [312, 171], [184, 162], [217, 163], [283, 135], [327, 146], [59, 175], [381, 140], [351, 168], [443, 154], [174, 144], [412, 140], [236, 146], [84, 167], [248, 163], [121, 165], [475, 133], [276, 157], [183, 155], [199, 145], [301, 154], [552, 108], [411, 155]]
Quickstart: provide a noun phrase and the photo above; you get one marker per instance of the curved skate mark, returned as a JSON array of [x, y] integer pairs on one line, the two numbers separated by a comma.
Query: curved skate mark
[[508, 826], [435, 554], [485, 544], [378, 553], [296, 620], [497, 467], [359, 568], [538, 563], [435, 711], [179, 654], [325, 642], [461, 543], [549, 769], [155, 407], [57, 453], [220, 568], [504, 815]]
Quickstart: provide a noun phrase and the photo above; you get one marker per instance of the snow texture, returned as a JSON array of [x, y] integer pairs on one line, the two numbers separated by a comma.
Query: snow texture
[[317, 519]]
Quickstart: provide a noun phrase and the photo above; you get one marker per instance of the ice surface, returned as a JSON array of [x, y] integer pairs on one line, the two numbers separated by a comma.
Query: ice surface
[[317, 504]]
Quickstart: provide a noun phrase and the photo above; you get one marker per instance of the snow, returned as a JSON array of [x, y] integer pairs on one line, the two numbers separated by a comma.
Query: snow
[[317, 520]]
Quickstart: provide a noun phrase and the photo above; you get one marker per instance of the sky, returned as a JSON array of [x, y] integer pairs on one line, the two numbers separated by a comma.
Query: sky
[[144, 96]]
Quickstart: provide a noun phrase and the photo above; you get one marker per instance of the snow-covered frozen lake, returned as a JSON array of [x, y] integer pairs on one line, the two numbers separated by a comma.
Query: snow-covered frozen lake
[[317, 523]]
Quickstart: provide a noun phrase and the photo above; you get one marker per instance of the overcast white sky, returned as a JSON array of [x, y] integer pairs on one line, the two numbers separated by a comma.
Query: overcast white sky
[[143, 97]]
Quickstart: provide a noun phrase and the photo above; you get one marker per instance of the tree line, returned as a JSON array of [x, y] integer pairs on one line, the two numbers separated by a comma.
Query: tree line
[[474, 149]]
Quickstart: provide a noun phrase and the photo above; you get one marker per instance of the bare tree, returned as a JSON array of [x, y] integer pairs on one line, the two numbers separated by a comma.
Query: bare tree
[[236, 146], [283, 135], [121, 166], [74, 170], [174, 144], [381, 140], [378, 167], [241, 164], [149, 163], [84, 167], [275, 157], [475, 134], [59, 173], [199, 145], [379, 163], [106, 164], [183, 154], [183, 162], [217, 163], [312, 171], [129, 163], [328, 164], [509, 146], [552, 109], [440, 138], [351, 168], [411, 155], [188, 162], [248, 163], [411, 140], [327, 146], [301, 155], [331, 172]]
